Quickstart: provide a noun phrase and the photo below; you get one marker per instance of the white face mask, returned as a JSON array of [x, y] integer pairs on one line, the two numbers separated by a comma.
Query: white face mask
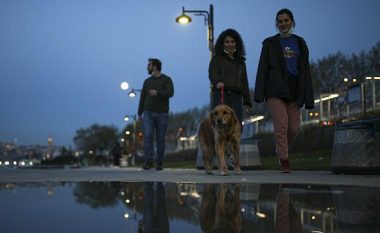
[[228, 52], [288, 33]]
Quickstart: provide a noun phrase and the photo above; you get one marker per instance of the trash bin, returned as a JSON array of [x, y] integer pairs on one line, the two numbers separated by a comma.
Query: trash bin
[[356, 147]]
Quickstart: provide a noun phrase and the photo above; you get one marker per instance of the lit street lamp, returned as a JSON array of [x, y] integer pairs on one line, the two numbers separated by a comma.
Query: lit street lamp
[[132, 93], [209, 20]]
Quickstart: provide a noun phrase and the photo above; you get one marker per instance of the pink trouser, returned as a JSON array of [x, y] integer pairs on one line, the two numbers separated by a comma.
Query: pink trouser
[[286, 122]]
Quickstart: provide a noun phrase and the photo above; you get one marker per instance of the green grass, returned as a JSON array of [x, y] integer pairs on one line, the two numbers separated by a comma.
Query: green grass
[[314, 161]]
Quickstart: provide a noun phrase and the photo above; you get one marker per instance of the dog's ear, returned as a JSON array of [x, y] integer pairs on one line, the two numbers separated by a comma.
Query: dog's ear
[[234, 121], [211, 117]]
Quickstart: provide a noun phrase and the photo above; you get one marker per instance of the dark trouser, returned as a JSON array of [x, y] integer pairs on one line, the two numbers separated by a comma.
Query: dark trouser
[[154, 123], [232, 99], [155, 216]]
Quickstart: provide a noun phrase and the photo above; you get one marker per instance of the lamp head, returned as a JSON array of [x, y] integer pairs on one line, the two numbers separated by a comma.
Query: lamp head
[[183, 19], [132, 93]]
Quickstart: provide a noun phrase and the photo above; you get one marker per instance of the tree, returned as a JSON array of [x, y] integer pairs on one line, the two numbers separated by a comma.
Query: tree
[[96, 138]]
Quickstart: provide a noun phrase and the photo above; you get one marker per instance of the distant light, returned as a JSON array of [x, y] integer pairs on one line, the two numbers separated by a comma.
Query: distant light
[[345, 79], [261, 215], [376, 78], [354, 80], [126, 215], [127, 201], [331, 96], [31, 163], [124, 86], [22, 163], [6, 163], [126, 118], [368, 78], [14, 163], [257, 118], [313, 217], [127, 132], [1, 163]]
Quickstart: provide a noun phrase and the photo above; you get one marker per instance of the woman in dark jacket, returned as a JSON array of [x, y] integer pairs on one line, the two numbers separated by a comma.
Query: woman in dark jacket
[[283, 80], [228, 73]]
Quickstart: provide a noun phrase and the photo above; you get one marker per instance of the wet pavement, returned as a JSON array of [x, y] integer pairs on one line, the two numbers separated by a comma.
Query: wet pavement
[[107, 199], [183, 176]]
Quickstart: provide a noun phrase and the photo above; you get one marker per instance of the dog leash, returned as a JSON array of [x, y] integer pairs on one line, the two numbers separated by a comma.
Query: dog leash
[[222, 95]]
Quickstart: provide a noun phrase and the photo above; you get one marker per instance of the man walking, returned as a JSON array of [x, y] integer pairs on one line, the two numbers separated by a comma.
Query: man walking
[[154, 112]]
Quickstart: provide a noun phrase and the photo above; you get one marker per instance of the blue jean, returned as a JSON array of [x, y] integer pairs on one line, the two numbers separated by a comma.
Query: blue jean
[[154, 124]]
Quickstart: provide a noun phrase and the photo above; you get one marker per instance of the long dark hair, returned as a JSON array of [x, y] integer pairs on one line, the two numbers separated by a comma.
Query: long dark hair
[[219, 46]]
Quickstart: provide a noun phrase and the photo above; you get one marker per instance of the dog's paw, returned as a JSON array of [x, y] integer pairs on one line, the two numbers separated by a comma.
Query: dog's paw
[[208, 172], [238, 172], [224, 173]]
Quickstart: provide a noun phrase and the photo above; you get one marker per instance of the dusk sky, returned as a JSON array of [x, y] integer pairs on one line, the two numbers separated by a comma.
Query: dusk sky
[[62, 61]]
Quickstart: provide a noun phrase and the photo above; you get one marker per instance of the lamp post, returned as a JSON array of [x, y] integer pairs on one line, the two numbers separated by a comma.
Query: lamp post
[[209, 20], [134, 133]]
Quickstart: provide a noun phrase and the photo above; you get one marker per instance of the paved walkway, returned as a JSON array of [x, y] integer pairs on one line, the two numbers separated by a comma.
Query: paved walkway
[[182, 176]]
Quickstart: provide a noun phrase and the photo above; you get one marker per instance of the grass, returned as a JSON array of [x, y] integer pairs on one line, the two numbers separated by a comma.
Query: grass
[[314, 161]]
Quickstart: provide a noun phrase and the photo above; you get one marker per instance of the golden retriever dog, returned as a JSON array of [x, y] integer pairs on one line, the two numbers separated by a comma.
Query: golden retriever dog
[[220, 209], [218, 133]]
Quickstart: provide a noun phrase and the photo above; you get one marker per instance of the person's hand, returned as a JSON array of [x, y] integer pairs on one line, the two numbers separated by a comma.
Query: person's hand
[[152, 92], [247, 109], [219, 85]]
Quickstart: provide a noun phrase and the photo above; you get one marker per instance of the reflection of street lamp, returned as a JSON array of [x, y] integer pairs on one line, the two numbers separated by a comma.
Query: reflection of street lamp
[[209, 20]]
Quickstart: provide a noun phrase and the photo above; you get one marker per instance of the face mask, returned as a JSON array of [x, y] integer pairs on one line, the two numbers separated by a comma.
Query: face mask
[[229, 52], [288, 33]]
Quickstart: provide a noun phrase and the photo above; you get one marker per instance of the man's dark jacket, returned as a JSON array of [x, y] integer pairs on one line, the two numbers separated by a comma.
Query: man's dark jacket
[[272, 75]]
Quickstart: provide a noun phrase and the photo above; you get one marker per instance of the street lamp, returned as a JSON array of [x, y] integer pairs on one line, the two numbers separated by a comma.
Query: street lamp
[[209, 21], [132, 93]]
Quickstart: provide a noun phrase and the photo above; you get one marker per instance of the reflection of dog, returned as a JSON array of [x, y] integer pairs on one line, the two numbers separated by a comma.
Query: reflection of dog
[[220, 209], [220, 131]]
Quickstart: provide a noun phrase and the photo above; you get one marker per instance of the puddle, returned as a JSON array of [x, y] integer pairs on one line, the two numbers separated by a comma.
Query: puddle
[[185, 207]]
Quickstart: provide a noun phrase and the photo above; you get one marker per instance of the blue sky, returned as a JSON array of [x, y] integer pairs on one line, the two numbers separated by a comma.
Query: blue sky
[[62, 61]]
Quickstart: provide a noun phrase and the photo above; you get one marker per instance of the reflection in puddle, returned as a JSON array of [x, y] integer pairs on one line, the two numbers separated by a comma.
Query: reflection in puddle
[[185, 207]]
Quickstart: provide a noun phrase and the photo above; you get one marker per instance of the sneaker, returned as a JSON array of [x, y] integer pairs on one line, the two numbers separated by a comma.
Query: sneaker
[[146, 166], [284, 166]]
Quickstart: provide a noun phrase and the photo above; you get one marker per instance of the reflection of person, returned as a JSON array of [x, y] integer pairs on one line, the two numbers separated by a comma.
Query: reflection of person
[[287, 218], [284, 81], [155, 217], [228, 73], [116, 154], [154, 112]]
